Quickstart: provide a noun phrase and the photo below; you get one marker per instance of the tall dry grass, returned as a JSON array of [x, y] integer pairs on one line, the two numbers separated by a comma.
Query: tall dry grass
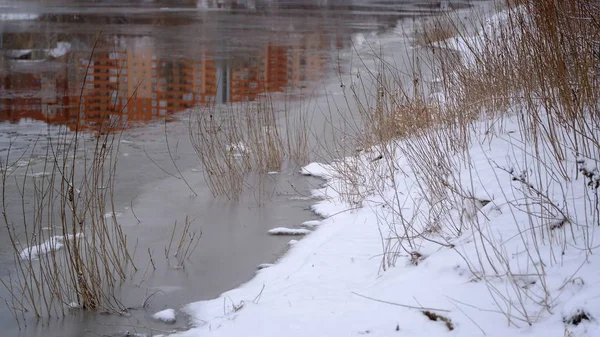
[[537, 61], [232, 140], [70, 251], [69, 248]]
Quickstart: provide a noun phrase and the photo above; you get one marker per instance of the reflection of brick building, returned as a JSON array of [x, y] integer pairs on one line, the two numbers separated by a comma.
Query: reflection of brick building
[[306, 61], [132, 85], [174, 90], [247, 79], [139, 75], [276, 70], [22, 104]]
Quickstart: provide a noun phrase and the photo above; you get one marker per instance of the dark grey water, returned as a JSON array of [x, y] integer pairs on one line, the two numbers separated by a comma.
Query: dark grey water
[[67, 65]]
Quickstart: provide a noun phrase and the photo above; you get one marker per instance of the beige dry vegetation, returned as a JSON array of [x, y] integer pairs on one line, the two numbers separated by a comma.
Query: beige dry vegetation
[[233, 140], [435, 29], [538, 62], [542, 64], [70, 251]]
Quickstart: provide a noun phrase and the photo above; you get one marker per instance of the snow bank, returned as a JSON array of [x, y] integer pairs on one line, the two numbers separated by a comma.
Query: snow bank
[[288, 231], [333, 284], [469, 46], [51, 245], [512, 252], [167, 316], [264, 266], [316, 170]]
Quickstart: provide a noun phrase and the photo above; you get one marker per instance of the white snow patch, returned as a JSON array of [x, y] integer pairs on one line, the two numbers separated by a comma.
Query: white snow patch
[[75, 305], [237, 149], [317, 170], [469, 46], [51, 245], [300, 198], [22, 163], [311, 223], [288, 231], [38, 174], [358, 40], [292, 242], [167, 316], [264, 266], [110, 214]]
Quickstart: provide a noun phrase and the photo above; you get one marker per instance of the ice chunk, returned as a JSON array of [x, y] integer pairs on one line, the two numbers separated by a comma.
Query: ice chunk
[[311, 223], [288, 231], [51, 245], [167, 316]]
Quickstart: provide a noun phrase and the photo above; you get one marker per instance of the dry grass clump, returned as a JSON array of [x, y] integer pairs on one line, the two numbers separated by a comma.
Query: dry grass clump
[[70, 251], [539, 63], [436, 29], [234, 140], [545, 53], [436, 317], [188, 242], [396, 119], [578, 317]]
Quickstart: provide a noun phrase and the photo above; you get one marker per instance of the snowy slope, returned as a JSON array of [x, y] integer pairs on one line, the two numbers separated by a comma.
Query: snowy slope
[[508, 246], [331, 283]]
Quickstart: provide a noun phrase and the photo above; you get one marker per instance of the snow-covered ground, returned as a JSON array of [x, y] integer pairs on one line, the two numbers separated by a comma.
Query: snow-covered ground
[[331, 283], [509, 247]]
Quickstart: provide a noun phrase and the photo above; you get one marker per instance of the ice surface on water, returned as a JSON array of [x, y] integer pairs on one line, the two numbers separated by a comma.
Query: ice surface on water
[[17, 16]]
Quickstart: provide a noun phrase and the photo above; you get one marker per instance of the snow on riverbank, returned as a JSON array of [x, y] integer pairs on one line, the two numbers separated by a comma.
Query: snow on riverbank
[[507, 245], [331, 283]]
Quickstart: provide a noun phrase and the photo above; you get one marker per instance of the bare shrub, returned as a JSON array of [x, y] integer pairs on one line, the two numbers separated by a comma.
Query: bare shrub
[[236, 139], [537, 64], [70, 251]]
